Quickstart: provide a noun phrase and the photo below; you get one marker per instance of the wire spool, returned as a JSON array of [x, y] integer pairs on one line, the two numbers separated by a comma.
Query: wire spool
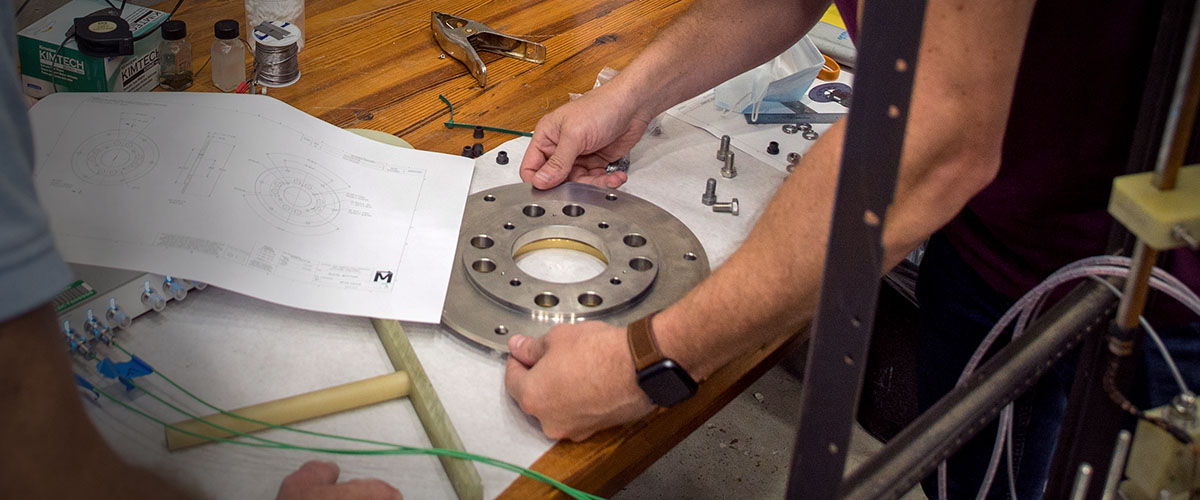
[[276, 61]]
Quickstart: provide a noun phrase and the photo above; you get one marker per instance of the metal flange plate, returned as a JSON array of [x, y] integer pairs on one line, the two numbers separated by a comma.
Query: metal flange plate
[[652, 259]]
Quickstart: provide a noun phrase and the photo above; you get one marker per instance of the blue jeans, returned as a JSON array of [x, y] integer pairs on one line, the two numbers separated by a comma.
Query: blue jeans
[[958, 308]]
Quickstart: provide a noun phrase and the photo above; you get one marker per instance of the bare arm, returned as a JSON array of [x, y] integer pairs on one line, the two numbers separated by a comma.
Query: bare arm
[[961, 98], [579, 378], [714, 41]]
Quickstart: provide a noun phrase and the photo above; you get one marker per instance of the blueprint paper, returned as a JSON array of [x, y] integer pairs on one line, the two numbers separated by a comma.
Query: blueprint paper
[[252, 195]]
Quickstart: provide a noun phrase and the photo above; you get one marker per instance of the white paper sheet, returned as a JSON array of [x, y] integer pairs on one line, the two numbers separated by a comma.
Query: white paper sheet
[[250, 194]]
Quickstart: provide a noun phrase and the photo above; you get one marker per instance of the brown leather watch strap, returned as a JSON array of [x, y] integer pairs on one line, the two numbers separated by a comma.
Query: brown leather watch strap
[[642, 345]]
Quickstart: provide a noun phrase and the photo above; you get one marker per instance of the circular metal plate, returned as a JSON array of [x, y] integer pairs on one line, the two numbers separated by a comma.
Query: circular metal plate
[[652, 260]]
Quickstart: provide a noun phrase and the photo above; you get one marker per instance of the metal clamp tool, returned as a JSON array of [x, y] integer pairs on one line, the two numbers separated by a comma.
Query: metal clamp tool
[[463, 39]]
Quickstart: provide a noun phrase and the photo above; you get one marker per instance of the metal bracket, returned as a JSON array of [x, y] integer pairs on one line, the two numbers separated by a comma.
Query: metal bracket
[[463, 39]]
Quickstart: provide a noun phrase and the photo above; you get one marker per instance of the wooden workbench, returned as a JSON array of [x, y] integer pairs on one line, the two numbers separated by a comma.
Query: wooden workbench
[[374, 64]]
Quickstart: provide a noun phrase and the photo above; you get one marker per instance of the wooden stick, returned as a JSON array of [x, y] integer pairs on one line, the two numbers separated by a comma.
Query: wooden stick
[[292, 409]]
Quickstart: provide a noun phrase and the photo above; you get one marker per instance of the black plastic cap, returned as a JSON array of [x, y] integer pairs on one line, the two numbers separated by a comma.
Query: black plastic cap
[[478, 132], [174, 30], [467, 151], [226, 29]]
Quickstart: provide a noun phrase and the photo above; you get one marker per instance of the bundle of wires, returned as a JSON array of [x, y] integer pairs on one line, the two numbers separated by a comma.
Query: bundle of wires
[[379, 448], [1028, 307]]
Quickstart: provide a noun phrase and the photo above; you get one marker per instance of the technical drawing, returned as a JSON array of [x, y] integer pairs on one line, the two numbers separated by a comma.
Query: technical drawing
[[200, 174], [297, 196], [117, 156]]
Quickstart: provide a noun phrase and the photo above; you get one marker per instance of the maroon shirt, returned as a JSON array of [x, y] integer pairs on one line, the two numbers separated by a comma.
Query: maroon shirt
[[1069, 132]]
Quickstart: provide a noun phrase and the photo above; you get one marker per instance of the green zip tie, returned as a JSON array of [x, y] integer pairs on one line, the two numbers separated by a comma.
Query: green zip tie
[[453, 124]]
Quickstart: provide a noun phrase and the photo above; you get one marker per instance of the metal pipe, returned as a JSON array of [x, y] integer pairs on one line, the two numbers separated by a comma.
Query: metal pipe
[[962, 413], [1117, 467], [1082, 479]]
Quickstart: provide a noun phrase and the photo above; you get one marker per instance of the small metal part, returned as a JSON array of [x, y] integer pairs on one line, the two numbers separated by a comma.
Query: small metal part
[[710, 192], [621, 165], [730, 207], [810, 135], [723, 151], [1182, 234], [463, 39], [831, 92], [729, 171], [467, 151], [478, 134], [1182, 411], [1116, 467], [476, 150], [804, 126], [773, 148], [793, 159], [1083, 478], [502, 158], [790, 128]]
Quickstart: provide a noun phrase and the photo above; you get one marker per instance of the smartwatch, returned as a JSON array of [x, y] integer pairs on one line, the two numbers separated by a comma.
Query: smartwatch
[[660, 377]]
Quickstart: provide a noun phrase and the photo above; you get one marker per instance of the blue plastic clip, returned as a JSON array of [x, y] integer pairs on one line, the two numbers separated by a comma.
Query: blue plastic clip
[[93, 395], [126, 371]]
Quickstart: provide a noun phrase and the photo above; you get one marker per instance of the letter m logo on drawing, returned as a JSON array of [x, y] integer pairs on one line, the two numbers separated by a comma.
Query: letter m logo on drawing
[[383, 276]]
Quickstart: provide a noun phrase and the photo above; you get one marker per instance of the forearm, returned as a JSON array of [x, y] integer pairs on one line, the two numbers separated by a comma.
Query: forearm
[[714, 41], [51, 449]]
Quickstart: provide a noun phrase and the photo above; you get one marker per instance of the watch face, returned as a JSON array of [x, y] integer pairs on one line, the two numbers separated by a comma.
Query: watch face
[[666, 383]]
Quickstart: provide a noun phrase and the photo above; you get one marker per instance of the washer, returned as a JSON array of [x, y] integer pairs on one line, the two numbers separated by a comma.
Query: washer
[[651, 260]]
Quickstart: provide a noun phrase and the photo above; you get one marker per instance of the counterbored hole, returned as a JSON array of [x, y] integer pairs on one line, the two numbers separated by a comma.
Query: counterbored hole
[[602, 225], [501, 330], [573, 210], [482, 241], [489, 198], [483, 266], [509, 226], [615, 280], [610, 197], [689, 256], [590, 299], [634, 240], [546, 299], [533, 211], [514, 282], [640, 264]]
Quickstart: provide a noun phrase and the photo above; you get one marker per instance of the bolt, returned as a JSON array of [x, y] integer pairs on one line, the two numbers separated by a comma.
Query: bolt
[[730, 207], [502, 158], [710, 192], [773, 148], [729, 171], [478, 132], [476, 150], [793, 159], [1182, 234], [723, 151], [467, 151]]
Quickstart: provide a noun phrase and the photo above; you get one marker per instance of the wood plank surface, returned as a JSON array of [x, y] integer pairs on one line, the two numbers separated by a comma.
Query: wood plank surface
[[374, 64]]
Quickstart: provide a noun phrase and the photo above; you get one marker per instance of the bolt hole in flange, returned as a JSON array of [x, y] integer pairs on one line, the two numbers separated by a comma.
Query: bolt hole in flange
[[602, 225], [509, 226], [482, 241], [483, 266], [501, 330], [489, 198], [590, 299], [634, 240], [533, 211], [573, 210], [615, 280], [610, 197], [546, 299], [689, 256], [640, 264]]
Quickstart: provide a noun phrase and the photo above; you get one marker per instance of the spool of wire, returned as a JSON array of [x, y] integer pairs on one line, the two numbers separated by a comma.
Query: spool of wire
[[276, 49]]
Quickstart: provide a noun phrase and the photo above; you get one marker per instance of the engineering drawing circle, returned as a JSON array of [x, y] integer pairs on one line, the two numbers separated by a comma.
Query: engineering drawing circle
[[297, 197], [114, 157]]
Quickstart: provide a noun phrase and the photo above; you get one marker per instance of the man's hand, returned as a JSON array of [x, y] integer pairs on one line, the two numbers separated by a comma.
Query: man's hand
[[577, 379], [577, 141], [318, 481]]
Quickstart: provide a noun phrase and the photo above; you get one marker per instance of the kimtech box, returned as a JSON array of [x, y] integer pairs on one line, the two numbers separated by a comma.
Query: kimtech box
[[48, 65]]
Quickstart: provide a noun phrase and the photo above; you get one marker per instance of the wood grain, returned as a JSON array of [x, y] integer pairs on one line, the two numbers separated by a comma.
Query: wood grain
[[374, 64]]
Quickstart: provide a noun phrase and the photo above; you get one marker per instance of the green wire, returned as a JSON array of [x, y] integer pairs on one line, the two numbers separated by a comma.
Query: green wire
[[453, 124], [393, 449]]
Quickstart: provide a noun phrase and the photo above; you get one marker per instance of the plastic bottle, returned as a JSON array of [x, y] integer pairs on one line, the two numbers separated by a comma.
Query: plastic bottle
[[174, 57], [228, 56]]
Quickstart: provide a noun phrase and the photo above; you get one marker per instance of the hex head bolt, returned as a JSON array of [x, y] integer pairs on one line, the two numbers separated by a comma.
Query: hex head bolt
[[793, 159], [729, 171], [723, 151], [730, 207], [710, 192]]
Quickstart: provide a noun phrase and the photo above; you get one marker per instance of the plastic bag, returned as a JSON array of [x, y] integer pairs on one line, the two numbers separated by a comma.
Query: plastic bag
[[785, 78]]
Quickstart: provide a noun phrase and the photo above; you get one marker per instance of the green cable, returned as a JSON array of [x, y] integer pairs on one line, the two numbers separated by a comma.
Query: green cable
[[394, 449], [453, 124]]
